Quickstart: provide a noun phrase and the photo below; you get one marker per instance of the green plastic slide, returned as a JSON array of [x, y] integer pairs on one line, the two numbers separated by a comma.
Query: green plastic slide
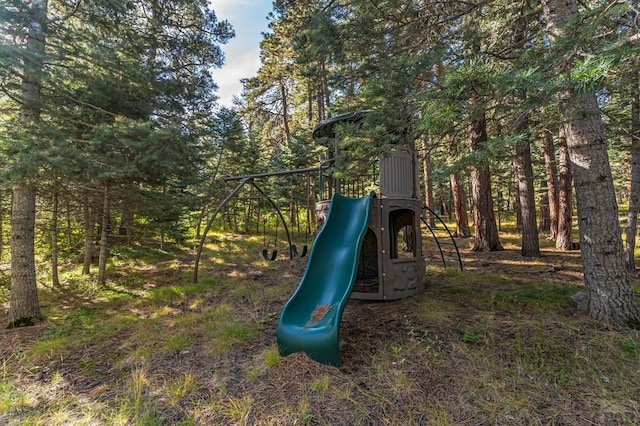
[[310, 320]]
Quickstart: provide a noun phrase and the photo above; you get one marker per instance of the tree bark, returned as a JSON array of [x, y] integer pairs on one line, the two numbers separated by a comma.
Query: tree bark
[[486, 230], [126, 224], [293, 212], [24, 308], [89, 234], [163, 224], [551, 169], [457, 192], [1, 222], [54, 241], [564, 240], [459, 207], [544, 221], [517, 208], [631, 230], [69, 228], [524, 179], [427, 176], [310, 100], [325, 96], [610, 296], [104, 237], [201, 215], [285, 112]]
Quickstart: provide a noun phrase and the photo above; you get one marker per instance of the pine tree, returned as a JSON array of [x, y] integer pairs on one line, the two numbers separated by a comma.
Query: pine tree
[[123, 100], [24, 308], [610, 295]]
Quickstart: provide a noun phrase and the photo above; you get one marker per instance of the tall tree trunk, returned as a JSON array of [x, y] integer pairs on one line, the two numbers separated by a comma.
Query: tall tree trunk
[[285, 112], [524, 179], [69, 228], [517, 207], [310, 100], [54, 241], [201, 216], [126, 222], [551, 169], [544, 221], [427, 176], [293, 212], [457, 192], [89, 234], [521, 162], [104, 237], [322, 95], [609, 291], [564, 240], [326, 96], [320, 101], [459, 207], [631, 230], [163, 224], [610, 296], [487, 238], [24, 308], [1, 227]]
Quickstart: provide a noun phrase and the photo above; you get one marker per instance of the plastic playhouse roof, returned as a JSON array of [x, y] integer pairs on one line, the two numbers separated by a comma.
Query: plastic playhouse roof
[[325, 129]]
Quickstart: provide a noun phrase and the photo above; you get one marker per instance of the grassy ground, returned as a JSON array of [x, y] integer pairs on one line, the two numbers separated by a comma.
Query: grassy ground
[[496, 344]]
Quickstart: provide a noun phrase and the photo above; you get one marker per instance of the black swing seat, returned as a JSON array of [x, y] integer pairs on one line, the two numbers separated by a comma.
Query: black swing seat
[[265, 254], [294, 250]]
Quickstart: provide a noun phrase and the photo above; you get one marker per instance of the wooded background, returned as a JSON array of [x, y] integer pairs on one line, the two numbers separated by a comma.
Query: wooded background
[[111, 131]]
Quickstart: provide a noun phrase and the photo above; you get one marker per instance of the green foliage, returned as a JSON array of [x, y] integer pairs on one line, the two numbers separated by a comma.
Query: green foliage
[[540, 295], [504, 343], [472, 335], [75, 322], [140, 254], [271, 357], [590, 73], [126, 100], [5, 285], [178, 342], [11, 398], [181, 387], [630, 345]]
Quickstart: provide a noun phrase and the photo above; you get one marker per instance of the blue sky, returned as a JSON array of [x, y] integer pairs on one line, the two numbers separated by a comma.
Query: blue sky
[[242, 53]]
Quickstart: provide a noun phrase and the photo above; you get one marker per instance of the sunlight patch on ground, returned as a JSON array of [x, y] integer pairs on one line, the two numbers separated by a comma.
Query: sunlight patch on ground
[[493, 343]]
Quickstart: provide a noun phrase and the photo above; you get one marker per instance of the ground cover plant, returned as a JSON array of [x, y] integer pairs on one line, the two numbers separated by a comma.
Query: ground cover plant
[[497, 343]]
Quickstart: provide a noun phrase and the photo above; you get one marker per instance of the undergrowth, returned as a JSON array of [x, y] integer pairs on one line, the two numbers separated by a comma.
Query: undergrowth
[[497, 343]]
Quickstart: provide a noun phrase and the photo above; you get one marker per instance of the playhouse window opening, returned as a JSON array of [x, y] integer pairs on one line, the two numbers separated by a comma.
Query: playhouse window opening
[[367, 278], [403, 236], [368, 264]]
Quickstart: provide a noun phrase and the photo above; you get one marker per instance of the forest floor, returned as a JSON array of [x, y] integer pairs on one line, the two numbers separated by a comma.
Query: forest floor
[[498, 343]]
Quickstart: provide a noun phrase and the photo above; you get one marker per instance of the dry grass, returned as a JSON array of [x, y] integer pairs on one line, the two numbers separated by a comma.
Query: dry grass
[[496, 344]]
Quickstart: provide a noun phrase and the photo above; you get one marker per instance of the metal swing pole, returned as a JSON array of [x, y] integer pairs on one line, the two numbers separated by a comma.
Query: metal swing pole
[[210, 222]]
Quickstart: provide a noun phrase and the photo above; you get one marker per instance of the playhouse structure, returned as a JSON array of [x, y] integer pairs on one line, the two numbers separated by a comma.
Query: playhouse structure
[[390, 264], [369, 245]]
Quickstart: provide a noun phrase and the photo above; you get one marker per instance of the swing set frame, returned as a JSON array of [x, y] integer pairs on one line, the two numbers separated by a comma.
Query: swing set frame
[[250, 179]]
